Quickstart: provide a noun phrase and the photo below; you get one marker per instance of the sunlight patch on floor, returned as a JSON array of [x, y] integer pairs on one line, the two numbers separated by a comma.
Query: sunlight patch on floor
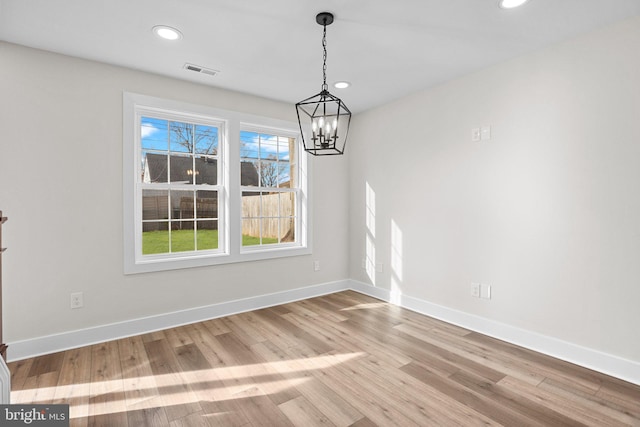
[[219, 384], [367, 306]]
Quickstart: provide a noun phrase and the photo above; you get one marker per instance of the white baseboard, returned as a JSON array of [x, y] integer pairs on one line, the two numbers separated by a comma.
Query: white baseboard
[[19, 350], [606, 363], [598, 361]]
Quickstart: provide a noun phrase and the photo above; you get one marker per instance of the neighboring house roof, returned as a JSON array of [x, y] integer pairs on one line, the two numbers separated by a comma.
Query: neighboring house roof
[[206, 170]]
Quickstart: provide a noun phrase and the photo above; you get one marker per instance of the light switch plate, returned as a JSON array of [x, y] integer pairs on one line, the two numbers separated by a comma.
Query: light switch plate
[[485, 291], [485, 133], [475, 134]]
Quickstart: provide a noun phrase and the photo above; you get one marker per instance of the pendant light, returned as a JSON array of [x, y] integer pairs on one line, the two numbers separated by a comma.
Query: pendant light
[[324, 119]]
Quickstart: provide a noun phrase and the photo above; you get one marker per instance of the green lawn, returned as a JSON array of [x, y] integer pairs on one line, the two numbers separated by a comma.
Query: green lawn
[[157, 242]]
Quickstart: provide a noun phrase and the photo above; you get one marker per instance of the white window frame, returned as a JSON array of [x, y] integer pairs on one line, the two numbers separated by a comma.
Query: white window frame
[[142, 111], [230, 248]]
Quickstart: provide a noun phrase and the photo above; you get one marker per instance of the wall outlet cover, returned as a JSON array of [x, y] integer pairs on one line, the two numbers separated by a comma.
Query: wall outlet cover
[[475, 290], [77, 300]]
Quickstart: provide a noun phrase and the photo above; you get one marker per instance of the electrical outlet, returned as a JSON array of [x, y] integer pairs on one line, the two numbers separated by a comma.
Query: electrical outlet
[[77, 300], [475, 290], [380, 267], [316, 265]]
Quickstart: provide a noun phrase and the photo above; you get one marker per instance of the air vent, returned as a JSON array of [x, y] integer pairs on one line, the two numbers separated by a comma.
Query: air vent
[[199, 69]]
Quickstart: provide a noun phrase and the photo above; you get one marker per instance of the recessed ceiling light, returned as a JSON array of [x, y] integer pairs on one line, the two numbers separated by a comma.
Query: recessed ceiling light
[[341, 85], [167, 33], [510, 4]]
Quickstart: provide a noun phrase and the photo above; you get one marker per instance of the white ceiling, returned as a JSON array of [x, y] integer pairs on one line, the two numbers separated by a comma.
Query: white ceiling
[[386, 49]]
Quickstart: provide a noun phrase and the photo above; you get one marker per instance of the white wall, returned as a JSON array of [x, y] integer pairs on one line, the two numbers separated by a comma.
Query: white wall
[[61, 187], [547, 211]]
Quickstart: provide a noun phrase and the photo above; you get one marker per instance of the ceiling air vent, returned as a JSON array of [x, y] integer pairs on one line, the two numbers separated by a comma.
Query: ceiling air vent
[[199, 69]]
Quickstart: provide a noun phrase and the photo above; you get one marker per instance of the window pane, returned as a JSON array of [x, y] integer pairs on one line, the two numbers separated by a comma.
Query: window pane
[[250, 232], [155, 226], [270, 205], [207, 235], [182, 171], [249, 173], [183, 236], [249, 143], [270, 231], [155, 204], [182, 204], [206, 140], [206, 170], [284, 174], [287, 204], [287, 230], [154, 167], [285, 147], [181, 137], [268, 173], [292, 171], [251, 206], [155, 238], [268, 146], [153, 134], [206, 204]]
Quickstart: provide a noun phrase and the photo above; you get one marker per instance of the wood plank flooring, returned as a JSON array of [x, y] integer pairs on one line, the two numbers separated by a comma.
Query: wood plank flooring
[[339, 360]]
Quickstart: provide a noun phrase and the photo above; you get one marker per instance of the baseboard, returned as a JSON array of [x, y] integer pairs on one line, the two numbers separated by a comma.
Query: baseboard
[[626, 370], [19, 350]]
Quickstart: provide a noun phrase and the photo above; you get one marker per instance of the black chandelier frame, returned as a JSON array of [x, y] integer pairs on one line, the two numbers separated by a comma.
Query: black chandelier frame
[[328, 116]]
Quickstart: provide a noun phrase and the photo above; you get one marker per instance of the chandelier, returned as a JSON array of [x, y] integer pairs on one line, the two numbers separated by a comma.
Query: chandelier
[[323, 118]]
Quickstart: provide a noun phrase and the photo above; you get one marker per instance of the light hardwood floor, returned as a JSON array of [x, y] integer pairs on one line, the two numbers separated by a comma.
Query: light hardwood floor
[[343, 359]]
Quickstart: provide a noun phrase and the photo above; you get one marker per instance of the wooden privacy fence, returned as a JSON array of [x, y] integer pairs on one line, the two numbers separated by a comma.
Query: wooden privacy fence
[[272, 212], [275, 217], [157, 208], [205, 208]]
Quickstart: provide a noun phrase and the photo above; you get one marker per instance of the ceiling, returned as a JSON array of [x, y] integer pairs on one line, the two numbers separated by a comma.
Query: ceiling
[[386, 49]]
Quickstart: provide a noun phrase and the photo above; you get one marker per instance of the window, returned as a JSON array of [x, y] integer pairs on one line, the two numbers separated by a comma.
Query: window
[[179, 184], [202, 186], [269, 188]]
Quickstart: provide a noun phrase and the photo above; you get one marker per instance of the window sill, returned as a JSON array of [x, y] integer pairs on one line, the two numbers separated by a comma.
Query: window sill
[[151, 265]]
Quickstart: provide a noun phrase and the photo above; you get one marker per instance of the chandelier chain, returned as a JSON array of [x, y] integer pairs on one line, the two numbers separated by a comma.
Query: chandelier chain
[[324, 59]]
